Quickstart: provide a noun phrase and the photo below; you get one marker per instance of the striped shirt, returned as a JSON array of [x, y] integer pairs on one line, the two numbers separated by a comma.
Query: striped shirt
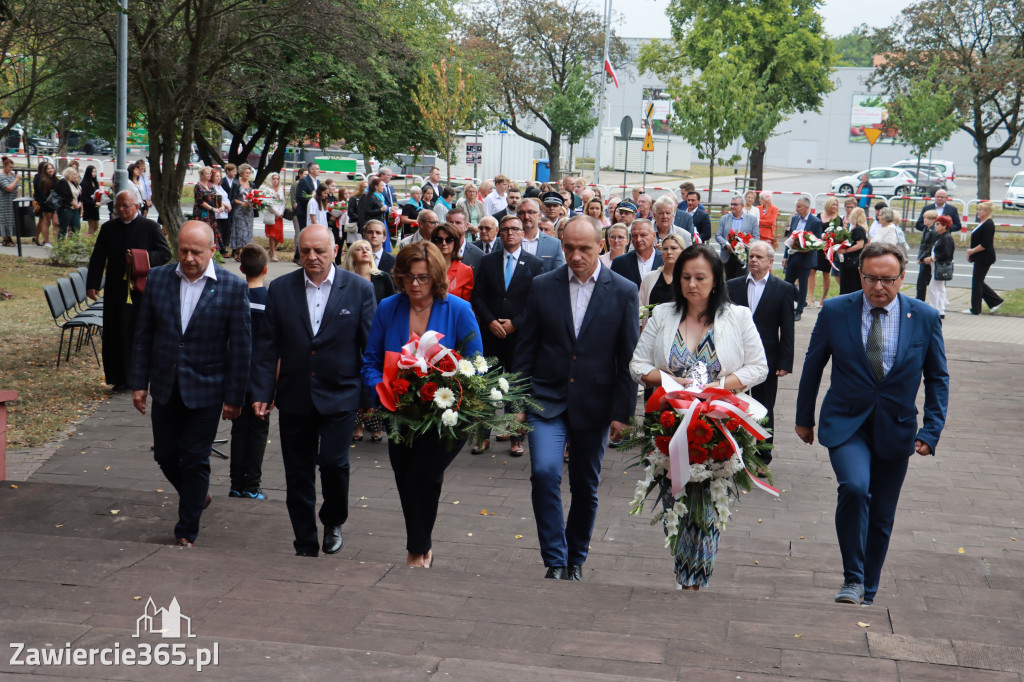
[[890, 329]]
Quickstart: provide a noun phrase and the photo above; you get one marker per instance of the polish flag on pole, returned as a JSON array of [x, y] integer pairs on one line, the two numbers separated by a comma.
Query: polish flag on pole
[[611, 71]]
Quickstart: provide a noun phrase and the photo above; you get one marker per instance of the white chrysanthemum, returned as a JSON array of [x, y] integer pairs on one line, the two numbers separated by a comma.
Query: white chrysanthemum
[[481, 364], [450, 417], [503, 384], [465, 368], [495, 394], [444, 398]]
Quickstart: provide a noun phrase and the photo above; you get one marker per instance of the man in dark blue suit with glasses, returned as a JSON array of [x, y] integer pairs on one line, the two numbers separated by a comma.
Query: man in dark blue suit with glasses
[[881, 343]]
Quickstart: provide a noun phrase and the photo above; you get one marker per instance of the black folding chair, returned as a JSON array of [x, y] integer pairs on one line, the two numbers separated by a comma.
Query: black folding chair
[[68, 324], [78, 286]]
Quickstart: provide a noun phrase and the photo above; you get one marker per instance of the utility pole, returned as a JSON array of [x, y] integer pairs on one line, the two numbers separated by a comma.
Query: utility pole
[[600, 109], [120, 171]]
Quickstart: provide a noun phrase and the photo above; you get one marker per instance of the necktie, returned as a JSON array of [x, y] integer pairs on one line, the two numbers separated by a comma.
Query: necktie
[[487, 247], [510, 266], [874, 347]]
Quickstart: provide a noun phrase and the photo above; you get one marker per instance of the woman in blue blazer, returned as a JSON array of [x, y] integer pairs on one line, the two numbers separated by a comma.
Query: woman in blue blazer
[[421, 304]]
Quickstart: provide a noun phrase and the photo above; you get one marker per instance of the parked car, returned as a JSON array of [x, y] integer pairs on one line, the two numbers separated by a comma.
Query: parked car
[[33, 144], [946, 169], [1015, 193], [80, 143], [886, 181], [928, 183]]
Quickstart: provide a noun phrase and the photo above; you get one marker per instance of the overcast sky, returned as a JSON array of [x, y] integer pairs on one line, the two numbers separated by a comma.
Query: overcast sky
[[646, 18]]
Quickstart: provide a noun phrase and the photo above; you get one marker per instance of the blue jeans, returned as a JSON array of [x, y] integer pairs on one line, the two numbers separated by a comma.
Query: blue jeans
[[869, 488], [564, 543]]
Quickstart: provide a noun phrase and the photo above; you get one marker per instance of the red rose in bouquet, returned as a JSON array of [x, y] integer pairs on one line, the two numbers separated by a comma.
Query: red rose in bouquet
[[662, 443], [428, 391], [400, 386], [446, 364]]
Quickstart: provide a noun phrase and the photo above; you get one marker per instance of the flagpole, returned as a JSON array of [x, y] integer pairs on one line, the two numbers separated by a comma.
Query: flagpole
[[600, 108]]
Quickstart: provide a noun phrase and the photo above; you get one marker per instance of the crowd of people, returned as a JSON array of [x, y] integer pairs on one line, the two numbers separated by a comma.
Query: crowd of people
[[617, 299]]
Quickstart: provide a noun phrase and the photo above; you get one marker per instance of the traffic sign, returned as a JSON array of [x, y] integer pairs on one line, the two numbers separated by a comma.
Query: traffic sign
[[626, 127], [872, 134], [650, 111], [648, 141]]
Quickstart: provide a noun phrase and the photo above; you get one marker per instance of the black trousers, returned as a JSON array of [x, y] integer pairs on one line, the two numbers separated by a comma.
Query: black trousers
[[248, 443], [182, 439], [419, 473], [981, 291], [224, 228], [309, 441], [734, 268], [799, 272], [765, 393], [924, 278]]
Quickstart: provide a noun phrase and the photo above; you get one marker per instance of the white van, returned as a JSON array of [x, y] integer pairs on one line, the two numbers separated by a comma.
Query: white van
[[938, 166]]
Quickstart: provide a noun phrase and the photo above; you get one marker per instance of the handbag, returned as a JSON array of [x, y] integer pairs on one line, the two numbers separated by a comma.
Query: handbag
[[289, 214], [942, 271], [52, 201], [137, 270]]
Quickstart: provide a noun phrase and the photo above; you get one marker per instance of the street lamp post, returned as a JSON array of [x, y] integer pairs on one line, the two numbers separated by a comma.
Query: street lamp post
[[120, 172]]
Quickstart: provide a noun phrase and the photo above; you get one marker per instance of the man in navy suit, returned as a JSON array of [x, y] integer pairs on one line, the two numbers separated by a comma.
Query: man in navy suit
[[386, 189], [192, 350], [771, 302], [488, 243], [535, 242], [701, 220], [579, 330], [644, 258], [375, 233], [503, 280], [798, 265], [881, 343], [316, 326]]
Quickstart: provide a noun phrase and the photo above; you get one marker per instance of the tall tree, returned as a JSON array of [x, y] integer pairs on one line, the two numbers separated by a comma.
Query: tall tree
[[709, 110], [782, 42], [572, 110], [527, 49], [925, 114], [446, 97], [854, 48], [978, 46]]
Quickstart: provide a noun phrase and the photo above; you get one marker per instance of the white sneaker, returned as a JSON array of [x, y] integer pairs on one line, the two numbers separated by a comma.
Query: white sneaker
[[967, 312], [47, 245], [992, 310]]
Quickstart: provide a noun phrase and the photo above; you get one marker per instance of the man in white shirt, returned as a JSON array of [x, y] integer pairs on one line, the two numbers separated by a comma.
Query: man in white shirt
[[639, 262], [426, 220], [535, 242], [488, 243], [771, 301], [497, 200]]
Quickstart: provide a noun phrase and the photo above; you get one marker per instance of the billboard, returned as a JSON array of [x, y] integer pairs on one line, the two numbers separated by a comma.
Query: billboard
[[870, 111], [662, 102]]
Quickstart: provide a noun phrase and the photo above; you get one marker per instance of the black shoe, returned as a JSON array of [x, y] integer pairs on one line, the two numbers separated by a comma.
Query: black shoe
[[310, 553], [556, 573], [332, 539], [574, 573], [796, 317]]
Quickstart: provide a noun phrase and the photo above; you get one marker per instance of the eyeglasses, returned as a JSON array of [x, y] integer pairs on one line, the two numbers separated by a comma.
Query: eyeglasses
[[527, 212], [443, 240], [618, 236], [871, 280], [510, 229], [416, 279], [429, 222]]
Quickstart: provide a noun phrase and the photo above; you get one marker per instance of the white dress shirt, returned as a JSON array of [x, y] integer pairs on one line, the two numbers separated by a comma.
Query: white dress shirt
[[316, 298], [530, 245], [377, 255], [645, 265], [190, 292], [580, 294], [495, 203], [755, 288]]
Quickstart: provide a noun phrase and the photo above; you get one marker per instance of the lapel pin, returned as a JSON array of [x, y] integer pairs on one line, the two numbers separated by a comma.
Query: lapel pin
[[908, 316]]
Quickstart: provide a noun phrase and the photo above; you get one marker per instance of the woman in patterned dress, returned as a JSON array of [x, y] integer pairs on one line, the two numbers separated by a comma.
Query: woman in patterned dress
[[8, 191], [242, 218], [701, 329]]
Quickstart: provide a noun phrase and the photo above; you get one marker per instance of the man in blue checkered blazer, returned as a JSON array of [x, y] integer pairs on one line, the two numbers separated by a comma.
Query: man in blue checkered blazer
[[191, 351]]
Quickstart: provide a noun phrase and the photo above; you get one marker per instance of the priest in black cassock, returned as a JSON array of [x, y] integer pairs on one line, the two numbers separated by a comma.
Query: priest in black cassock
[[128, 230]]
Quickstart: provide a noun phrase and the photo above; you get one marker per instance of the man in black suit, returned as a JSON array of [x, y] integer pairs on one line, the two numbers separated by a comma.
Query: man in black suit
[[503, 281], [941, 207], [192, 349], [798, 265], [488, 243], [386, 189], [643, 258], [314, 333], [701, 220], [771, 301], [579, 330], [514, 197], [303, 193], [374, 232]]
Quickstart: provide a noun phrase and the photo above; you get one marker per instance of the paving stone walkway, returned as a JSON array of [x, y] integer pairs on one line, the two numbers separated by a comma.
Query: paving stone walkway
[[84, 543]]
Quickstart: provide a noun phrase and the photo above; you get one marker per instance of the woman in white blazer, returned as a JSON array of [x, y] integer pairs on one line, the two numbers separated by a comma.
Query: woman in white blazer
[[700, 327]]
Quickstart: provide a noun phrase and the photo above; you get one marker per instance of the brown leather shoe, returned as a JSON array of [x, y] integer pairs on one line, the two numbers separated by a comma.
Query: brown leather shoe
[[183, 543], [209, 499]]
